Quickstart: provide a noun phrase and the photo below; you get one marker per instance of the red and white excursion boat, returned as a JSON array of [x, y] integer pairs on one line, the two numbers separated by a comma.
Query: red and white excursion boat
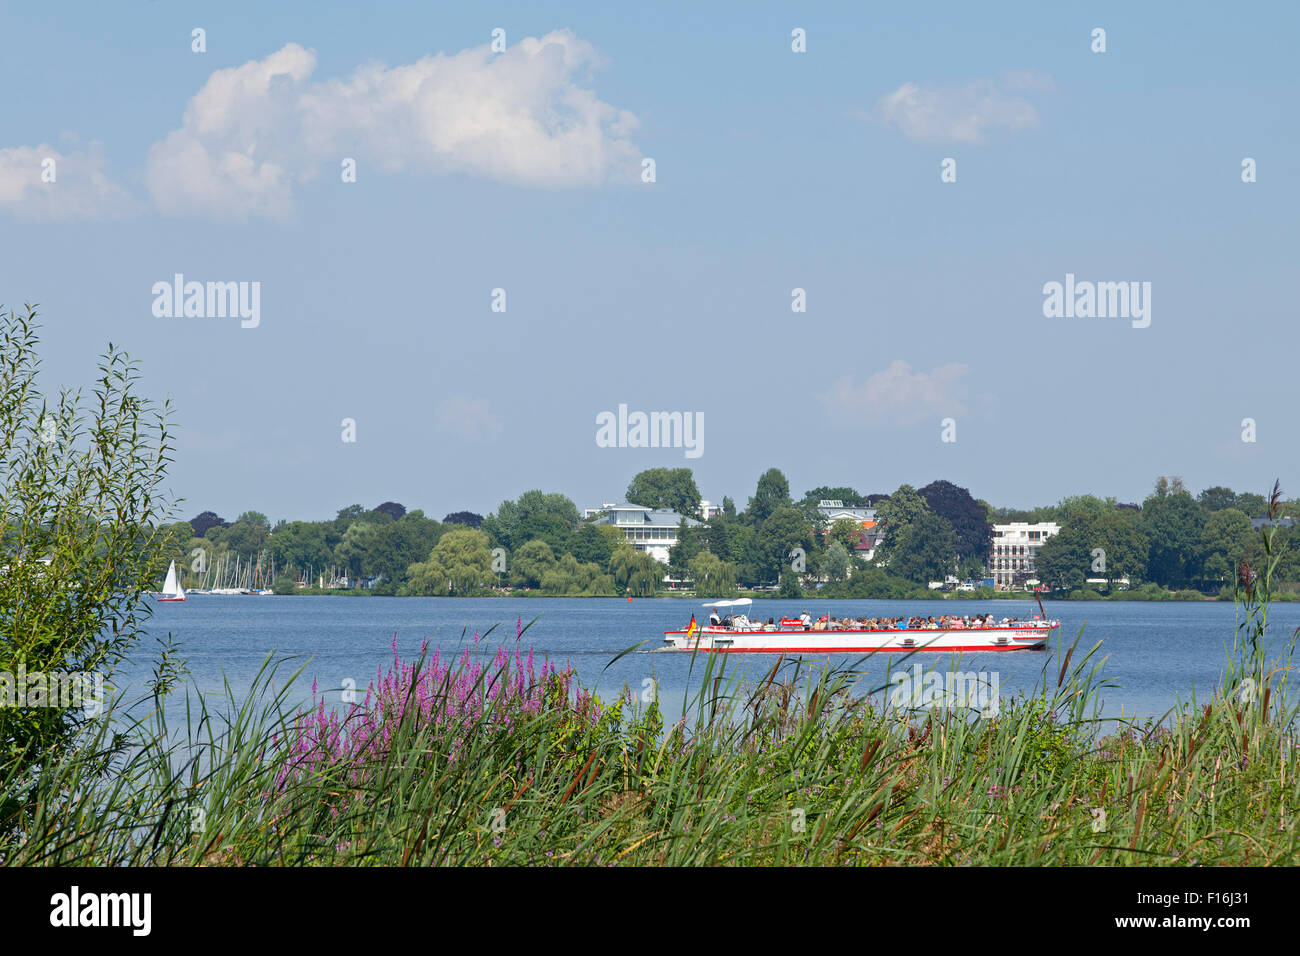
[[737, 634]]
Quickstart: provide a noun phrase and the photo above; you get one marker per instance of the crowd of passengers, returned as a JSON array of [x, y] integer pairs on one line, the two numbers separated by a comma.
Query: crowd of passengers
[[944, 622]]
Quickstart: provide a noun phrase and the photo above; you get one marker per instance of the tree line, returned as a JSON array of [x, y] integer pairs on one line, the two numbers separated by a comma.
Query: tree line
[[539, 542]]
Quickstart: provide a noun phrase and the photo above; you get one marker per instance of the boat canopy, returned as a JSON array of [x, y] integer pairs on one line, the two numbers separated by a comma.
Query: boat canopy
[[738, 602]]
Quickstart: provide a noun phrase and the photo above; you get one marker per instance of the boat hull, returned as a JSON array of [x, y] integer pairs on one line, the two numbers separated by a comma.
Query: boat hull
[[1029, 637]]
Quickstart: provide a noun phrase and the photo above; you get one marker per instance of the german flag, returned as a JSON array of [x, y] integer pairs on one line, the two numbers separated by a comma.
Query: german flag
[[690, 630]]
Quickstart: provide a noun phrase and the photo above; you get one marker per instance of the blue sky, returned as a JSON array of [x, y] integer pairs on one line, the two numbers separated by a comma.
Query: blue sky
[[775, 170]]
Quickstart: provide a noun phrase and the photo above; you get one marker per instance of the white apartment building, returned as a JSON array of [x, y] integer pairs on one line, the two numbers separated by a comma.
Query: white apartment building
[[652, 530], [1012, 550]]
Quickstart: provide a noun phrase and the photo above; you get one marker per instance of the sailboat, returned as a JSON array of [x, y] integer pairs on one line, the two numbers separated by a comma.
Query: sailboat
[[172, 590]]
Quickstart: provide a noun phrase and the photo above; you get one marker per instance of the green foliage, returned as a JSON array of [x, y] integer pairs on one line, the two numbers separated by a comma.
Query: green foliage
[[971, 568], [572, 578], [1103, 542], [898, 511], [796, 768], [925, 549], [835, 563], [773, 492], [776, 539], [875, 584], [81, 480], [713, 577], [595, 543], [636, 572], [846, 531], [1225, 538], [672, 488], [967, 517], [531, 563], [1172, 525], [552, 517], [460, 565]]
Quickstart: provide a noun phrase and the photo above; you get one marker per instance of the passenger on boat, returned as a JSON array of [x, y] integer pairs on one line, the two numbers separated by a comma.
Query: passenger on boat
[[714, 620], [806, 619]]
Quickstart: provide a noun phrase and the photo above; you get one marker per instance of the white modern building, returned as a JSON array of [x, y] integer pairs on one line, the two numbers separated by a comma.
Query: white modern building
[[1012, 550], [708, 509], [652, 530]]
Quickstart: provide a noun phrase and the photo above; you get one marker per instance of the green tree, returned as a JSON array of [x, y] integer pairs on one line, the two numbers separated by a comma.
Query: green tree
[[784, 530], [1065, 558], [357, 551], [595, 543], [460, 564], [672, 488], [299, 547], [1093, 544], [1172, 525], [1252, 505], [398, 545], [571, 577], [713, 578], [82, 504], [969, 519], [773, 492], [530, 564], [788, 588], [971, 568], [690, 542], [509, 527], [1217, 498], [637, 572], [846, 531], [246, 538], [895, 513], [925, 549], [1225, 538], [835, 563]]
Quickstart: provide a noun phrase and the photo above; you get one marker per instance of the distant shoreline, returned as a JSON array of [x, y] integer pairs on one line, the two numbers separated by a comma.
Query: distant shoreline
[[1170, 597]]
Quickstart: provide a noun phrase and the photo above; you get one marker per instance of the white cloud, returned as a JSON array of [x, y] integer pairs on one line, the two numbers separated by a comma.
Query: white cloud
[[467, 418], [254, 131], [899, 396], [80, 188], [965, 113]]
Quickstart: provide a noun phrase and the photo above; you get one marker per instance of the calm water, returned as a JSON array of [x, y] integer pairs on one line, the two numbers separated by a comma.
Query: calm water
[[1156, 652]]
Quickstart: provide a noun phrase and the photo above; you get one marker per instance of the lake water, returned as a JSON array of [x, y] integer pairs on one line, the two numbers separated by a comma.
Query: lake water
[[1155, 652]]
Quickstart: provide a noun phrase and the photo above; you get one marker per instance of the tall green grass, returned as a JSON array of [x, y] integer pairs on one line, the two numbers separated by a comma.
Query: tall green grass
[[796, 767]]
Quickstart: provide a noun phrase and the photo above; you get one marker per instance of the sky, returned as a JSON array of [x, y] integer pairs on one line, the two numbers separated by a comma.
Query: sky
[[505, 147]]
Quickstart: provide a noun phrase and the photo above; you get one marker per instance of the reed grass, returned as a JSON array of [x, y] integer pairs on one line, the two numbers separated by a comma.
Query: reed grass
[[496, 761]]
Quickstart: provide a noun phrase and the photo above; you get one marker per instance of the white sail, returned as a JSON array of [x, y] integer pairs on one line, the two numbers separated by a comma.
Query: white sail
[[172, 588]]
